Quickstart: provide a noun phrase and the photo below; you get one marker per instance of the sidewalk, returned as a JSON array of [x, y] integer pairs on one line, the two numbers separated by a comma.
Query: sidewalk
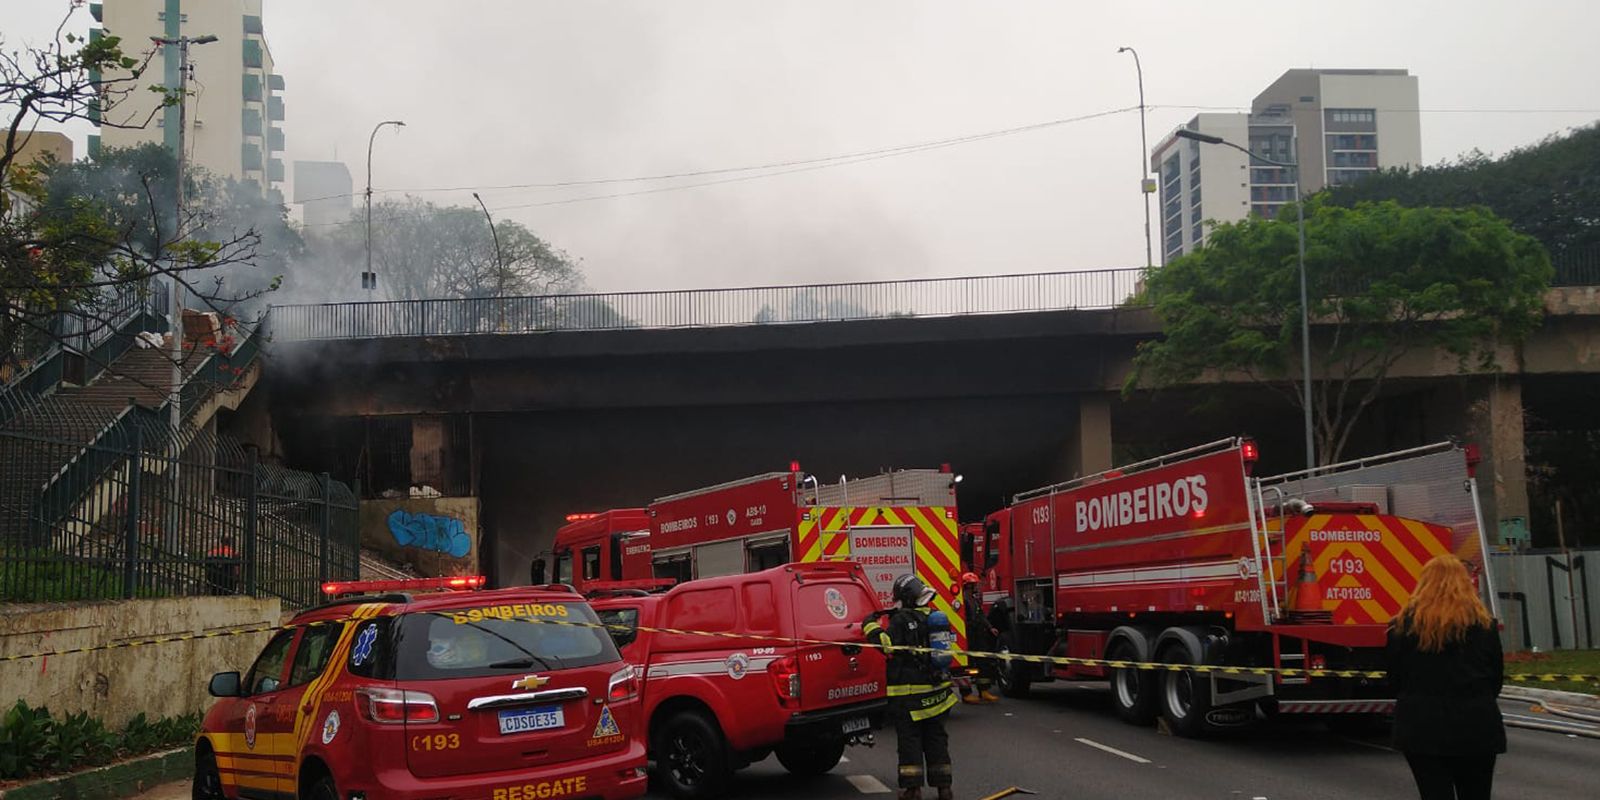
[[178, 790]]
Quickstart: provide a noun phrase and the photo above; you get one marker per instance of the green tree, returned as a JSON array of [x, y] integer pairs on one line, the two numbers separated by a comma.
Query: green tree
[[1549, 190], [1384, 280]]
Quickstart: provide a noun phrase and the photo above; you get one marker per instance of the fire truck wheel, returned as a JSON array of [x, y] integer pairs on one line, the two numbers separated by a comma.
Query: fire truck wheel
[[1013, 675], [207, 780], [323, 789], [1134, 691], [691, 758], [1185, 696], [812, 757]]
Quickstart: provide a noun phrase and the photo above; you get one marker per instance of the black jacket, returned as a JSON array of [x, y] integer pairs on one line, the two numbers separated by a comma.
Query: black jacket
[[978, 628], [1446, 701]]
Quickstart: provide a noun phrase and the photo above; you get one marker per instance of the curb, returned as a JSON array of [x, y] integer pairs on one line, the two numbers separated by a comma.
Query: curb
[[124, 779], [1573, 699]]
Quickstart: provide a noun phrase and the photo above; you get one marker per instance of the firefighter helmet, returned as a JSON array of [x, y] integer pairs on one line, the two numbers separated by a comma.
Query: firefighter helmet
[[911, 592], [971, 579]]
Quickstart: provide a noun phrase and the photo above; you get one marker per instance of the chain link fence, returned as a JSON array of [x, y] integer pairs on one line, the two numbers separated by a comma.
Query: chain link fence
[[139, 512]]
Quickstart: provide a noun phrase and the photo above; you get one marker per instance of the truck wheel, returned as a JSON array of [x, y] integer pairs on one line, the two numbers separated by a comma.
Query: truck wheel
[[207, 780], [323, 789], [812, 757], [1185, 696], [1133, 691], [1013, 675], [691, 758]]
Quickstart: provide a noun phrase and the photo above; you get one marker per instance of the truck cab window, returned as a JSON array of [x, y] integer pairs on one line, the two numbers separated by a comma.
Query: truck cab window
[[591, 563], [564, 567]]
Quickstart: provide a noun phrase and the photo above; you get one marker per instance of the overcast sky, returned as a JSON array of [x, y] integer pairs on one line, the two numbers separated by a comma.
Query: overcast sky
[[513, 91]]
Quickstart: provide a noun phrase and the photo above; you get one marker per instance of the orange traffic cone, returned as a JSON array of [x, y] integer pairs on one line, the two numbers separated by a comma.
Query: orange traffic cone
[[1307, 592]]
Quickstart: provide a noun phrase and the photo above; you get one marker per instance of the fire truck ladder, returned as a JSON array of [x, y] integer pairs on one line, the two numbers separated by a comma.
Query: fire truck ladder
[[1272, 583]]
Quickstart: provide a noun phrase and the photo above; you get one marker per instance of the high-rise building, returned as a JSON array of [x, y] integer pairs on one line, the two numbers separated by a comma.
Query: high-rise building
[[324, 191], [1337, 125], [235, 98]]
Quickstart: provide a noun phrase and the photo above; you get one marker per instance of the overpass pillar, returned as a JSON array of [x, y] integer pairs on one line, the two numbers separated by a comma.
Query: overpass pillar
[[1497, 427], [1089, 447]]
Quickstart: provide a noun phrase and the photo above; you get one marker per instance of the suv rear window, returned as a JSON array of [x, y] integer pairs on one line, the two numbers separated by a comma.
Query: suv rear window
[[824, 610], [492, 640]]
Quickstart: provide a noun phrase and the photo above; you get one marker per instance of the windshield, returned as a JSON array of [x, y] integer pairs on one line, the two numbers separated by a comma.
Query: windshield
[[492, 640]]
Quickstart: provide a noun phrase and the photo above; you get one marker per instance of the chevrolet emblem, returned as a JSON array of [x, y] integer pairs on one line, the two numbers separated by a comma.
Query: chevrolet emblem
[[529, 682]]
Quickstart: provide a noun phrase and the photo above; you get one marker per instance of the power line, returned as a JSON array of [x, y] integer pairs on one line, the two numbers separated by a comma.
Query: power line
[[773, 169], [1413, 110]]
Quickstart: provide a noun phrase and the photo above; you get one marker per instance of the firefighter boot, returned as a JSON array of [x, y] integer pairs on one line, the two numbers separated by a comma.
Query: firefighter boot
[[971, 698], [989, 696]]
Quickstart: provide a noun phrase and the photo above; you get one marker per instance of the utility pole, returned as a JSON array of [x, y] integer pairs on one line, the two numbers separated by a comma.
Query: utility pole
[[499, 263], [369, 279], [175, 313]]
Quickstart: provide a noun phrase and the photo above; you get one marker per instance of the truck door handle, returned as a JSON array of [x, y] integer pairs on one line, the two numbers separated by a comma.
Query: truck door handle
[[851, 649]]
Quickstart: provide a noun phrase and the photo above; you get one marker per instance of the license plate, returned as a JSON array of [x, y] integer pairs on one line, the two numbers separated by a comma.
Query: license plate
[[540, 718], [857, 724]]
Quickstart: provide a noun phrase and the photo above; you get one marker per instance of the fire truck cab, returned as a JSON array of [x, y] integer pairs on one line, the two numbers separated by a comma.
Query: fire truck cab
[[607, 546], [753, 679], [1189, 559]]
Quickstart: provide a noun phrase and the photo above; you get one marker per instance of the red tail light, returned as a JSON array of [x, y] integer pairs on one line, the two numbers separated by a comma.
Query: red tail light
[[397, 706], [785, 674], [624, 685]]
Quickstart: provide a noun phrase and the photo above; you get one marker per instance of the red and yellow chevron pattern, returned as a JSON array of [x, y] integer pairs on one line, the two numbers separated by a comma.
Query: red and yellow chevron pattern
[[1366, 564]]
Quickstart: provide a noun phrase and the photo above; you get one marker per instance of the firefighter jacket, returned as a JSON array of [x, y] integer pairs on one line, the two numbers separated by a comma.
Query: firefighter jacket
[[914, 682], [978, 628]]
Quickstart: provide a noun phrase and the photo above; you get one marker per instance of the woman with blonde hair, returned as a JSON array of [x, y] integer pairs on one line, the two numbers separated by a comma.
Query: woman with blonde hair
[[1446, 669]]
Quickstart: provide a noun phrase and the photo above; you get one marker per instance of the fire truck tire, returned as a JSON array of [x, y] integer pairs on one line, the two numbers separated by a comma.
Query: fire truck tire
[[207, 780], [323, 789], [1015, 681], [1185, 696], [810, 758], [691, 757], [1134, 691]]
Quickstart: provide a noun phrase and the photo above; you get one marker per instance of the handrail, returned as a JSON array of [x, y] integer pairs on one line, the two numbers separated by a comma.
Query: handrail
[[1137, 466]]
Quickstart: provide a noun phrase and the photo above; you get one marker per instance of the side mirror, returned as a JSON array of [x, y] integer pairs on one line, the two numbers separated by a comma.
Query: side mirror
[[225, 684]]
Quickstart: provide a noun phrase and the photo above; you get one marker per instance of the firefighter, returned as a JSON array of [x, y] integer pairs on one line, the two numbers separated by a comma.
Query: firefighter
[[918, 695], [982, 637]]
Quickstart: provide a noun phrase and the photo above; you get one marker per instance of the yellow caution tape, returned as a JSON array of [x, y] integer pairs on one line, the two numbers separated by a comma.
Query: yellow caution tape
[[1217, 669]]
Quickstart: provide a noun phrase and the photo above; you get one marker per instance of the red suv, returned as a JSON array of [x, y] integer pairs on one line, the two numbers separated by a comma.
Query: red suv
[[714, 704], [453, 694]]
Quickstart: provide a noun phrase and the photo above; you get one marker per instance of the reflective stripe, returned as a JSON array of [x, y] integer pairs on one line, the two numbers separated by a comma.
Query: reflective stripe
[[933, 711], [909, 689]]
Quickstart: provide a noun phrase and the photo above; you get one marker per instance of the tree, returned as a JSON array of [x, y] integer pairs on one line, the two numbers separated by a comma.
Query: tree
[[1384, 280], [423, 251], [84, 251], [1549, 190]]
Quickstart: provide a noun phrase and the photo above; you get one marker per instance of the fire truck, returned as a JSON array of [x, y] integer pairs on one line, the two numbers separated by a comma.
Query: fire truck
[[1189, 559], [892, 523]]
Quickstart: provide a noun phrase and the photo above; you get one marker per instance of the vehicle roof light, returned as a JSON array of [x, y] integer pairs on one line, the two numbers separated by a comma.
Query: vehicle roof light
[[449, 583], [579, 517]]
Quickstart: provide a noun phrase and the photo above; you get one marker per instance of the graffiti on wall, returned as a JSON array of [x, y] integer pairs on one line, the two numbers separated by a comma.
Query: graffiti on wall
[[446, 535]]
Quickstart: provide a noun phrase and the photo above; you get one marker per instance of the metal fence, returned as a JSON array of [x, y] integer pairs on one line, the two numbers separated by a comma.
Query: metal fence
[[1576, 267], [767, 305], [141, 513]]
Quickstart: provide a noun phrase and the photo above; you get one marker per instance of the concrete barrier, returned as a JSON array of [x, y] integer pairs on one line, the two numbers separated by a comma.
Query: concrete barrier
[[114, 685]]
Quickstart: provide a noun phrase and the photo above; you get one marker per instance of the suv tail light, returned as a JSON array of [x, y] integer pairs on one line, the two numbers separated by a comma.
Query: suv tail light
[[785, 674], [624, 685], [397, 706]]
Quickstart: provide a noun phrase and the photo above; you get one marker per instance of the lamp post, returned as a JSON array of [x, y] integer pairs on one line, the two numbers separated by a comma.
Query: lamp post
[[1146, 185], [369, 279], [1305, 309], [175, 313], [499, 263]]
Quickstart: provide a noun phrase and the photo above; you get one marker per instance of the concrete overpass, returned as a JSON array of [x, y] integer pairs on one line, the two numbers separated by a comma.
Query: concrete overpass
[[544, 406]]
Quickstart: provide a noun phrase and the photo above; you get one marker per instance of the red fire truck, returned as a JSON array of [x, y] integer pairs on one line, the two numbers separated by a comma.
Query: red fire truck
[[1189, 559], [896, 522]]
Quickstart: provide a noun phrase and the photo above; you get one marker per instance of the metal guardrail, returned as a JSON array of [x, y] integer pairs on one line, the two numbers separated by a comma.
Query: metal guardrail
[[1579, 267], [765, 305]]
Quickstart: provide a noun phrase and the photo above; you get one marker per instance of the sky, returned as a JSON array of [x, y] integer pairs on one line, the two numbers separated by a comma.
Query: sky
[[498, 92]]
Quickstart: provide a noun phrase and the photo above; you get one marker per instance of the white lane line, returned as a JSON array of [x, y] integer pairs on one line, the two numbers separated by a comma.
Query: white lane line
[[866, 784], [1373, 745], [1113, 751]]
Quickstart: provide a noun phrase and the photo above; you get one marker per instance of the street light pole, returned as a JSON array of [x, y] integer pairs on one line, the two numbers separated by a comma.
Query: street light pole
[[1146, 186], [1305, 307], [175, 312], [369, 279], [499, 263]]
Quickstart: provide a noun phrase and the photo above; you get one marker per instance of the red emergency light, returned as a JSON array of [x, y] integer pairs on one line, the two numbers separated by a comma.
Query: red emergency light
[[1474, 457], [455, 583], [1250, 453], [581, 517], [794, 466]]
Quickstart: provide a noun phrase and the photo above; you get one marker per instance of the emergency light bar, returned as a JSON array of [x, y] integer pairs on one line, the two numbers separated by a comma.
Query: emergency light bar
[[582, 517], [456, 583]]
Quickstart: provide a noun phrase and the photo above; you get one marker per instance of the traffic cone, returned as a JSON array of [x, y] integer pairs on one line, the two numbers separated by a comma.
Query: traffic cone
[[1307, 592]]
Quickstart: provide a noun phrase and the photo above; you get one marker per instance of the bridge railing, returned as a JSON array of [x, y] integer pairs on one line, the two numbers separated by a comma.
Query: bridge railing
[[764, 305]]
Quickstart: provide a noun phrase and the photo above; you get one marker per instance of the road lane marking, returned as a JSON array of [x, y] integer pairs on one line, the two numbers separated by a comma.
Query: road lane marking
[[1112, 750], [1373, 745], [866, 784]]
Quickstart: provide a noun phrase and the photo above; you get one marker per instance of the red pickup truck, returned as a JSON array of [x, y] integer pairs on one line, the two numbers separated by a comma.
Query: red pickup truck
[[714, 704]]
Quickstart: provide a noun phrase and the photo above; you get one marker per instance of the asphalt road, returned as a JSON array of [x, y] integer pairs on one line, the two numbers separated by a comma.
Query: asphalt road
[[1066, 743]]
